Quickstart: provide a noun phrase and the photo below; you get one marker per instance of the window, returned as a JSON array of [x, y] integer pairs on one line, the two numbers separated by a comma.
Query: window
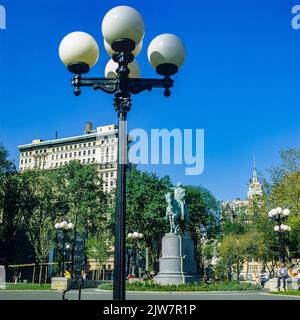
[[89, 152], [84, 145], [61, 155], [79, 153], [94, 160], [88, 160], [52, 157], [70, 154], [102, 141], [21, 161], [84, 152], [66, 155], [94, 143], [94, 151], [83, 161], [106, 175], [111, 183], [111, 174], [89, 144]]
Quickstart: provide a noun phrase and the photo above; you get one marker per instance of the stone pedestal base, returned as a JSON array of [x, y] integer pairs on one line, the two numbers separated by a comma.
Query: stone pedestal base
[[60, 283], [177, 264]]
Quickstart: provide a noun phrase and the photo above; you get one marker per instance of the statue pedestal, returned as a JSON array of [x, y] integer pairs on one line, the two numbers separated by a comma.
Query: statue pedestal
[[177, 264]]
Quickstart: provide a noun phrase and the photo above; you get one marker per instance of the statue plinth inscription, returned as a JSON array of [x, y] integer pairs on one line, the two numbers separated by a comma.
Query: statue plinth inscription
[[177, 263]]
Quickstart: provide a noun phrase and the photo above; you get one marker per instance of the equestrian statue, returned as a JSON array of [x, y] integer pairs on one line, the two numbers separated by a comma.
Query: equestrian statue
[[177, 211]]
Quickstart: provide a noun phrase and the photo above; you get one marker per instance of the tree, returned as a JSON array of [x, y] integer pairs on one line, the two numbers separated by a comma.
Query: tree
[[98, 247], [10, 214], [204, 219], [86, 205], [39, 210], [145, 201]]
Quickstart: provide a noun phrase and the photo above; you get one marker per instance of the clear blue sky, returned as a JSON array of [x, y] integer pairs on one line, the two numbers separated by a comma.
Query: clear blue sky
[[240, 81]]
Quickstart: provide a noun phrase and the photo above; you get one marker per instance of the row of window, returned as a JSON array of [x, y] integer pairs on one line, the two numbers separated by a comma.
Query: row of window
[[29, 153], [74, 154], [68, 147]]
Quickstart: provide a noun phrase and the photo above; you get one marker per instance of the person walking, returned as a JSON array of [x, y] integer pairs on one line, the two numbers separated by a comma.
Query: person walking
[[282, 274]]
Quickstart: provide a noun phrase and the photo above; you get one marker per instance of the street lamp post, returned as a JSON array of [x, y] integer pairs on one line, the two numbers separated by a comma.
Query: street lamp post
[[123, 33], [280, 215], [64, 226], [135, 236]]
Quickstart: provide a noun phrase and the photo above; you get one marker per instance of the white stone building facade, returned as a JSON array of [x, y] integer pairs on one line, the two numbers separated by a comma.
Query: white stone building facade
[[97, 146]]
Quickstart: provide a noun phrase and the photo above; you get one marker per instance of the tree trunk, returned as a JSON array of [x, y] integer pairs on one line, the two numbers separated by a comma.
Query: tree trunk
[[247, 270]]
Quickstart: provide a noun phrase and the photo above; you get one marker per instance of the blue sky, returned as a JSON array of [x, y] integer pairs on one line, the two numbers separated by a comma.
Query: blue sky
[[240, 81]]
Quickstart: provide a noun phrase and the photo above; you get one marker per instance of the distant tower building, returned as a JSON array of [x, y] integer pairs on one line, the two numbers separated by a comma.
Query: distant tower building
[[97, 146], [238, 208], [255, 190]]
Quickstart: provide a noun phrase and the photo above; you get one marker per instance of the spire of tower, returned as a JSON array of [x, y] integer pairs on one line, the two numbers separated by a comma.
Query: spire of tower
[[254, 174]]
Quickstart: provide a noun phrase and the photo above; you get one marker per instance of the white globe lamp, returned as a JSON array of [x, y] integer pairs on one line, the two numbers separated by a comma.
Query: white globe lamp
[[79, 52]]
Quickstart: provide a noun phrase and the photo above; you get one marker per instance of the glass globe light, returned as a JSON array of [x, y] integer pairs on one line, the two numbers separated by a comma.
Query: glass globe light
[[282, 227], [68, 246], [279, 210], [129, 235], [274, 212], [286, 212], [135, 52], [141, 235], [57, 225], [64, 225], [166, 53], [70, 225], [79, 48], [111, 67], [289, 228], [276, 228], [123, 22], [270, 214], [135, 234]]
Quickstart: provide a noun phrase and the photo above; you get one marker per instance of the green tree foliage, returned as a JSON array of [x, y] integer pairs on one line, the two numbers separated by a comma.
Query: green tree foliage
[[98, 247], [39, 210], [10, 214], [145, 201]]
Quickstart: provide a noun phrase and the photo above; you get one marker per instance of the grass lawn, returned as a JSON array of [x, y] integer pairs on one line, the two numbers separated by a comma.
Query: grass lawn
[[289, 293], [27, 286], [215, 286]]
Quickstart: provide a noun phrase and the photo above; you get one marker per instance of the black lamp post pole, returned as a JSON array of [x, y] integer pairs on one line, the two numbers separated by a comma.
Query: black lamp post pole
[[281, 242], [63, 254], [122, 87], [279, 221]]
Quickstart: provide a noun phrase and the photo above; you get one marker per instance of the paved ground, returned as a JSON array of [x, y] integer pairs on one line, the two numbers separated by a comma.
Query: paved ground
[[93, 294]]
